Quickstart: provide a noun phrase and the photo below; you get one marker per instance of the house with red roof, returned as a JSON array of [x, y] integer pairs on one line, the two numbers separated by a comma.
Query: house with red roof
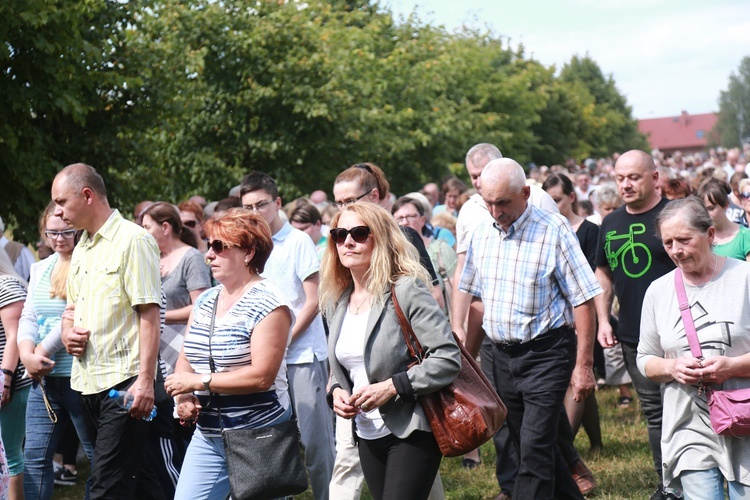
[[686, 133]]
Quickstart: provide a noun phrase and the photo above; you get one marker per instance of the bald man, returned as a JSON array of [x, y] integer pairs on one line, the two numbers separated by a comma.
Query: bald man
[[534, 280]]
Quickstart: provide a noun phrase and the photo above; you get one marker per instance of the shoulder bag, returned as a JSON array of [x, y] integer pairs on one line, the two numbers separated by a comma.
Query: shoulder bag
[[729, 411], [263, 462], [464, 414]]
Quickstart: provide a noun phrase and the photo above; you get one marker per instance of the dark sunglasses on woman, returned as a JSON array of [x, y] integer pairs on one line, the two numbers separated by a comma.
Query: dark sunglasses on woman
[[359, 234]]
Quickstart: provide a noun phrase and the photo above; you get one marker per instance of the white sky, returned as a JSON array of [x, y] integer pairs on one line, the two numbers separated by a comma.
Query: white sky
[[664, 55]]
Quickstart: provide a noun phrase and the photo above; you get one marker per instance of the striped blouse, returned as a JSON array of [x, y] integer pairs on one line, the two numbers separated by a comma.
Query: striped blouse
[[12, 290]]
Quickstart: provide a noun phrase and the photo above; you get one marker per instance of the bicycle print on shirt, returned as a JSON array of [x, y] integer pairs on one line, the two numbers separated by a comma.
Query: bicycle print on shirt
[[634, 256]]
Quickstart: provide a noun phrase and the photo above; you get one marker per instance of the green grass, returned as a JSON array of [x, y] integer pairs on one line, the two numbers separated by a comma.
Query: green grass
[[623, 469]]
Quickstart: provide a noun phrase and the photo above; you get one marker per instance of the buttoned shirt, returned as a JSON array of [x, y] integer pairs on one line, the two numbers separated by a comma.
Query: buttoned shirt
[[111, 273], [530, 278]]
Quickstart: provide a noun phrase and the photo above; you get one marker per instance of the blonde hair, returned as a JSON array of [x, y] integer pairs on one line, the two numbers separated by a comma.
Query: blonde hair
[[392, 258]]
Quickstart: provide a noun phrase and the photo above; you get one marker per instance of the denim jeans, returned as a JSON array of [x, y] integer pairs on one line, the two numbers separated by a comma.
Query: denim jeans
[[44, 435], [532, 379], [709, 485], [649, 395]]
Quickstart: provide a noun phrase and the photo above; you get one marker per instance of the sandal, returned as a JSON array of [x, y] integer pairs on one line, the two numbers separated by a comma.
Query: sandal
[[468, 463], [623, 402]]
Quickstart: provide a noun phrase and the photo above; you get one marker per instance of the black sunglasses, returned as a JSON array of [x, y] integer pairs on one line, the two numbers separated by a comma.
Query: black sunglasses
[[217, 246], [190, 223], [359, 234], [745, 195]]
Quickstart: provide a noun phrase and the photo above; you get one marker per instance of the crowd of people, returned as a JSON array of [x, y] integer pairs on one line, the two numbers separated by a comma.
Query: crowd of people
[[247, 312]]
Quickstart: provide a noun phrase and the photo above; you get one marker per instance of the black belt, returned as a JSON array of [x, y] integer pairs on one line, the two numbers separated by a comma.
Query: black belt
[[548, 336]]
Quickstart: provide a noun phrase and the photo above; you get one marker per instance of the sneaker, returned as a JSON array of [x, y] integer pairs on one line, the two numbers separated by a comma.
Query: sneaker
[[65, 477], [623, 402]]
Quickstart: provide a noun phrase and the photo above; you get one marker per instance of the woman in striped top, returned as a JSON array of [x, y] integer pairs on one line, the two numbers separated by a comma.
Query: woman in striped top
[[16, 388], [251, 321], [46, 361]]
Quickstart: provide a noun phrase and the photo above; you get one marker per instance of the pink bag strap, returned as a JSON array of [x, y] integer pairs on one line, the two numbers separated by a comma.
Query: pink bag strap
[[687, 317]]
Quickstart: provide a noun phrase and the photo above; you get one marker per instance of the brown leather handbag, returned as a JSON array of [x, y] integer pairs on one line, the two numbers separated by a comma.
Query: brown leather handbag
[[464, 414]]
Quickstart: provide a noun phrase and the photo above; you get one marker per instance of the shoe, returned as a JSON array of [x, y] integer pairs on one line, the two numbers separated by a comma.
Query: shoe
[[623, 402], [64, 477], [658, 494], [504, 495], [470, 463], [583, 477]]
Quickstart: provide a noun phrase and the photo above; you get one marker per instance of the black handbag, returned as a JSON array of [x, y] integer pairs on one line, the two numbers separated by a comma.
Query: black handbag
[[264, 462]]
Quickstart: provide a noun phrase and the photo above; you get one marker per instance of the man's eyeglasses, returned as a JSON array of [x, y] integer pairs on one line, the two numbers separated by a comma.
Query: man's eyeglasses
[[359, 234], [217, 246], [261, 205], [67, 234], [406, 218], [189, 223], [349, 201], [745, 195]]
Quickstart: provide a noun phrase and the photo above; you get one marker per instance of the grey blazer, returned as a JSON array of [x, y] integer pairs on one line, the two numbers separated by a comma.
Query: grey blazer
[[386, 355]]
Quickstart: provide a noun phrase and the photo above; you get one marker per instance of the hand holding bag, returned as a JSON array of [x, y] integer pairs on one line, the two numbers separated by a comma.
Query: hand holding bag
[[729, 411], [466, 413], [264, 462]]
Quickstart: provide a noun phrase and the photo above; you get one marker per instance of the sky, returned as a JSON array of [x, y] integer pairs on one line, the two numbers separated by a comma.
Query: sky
[[665, 56]]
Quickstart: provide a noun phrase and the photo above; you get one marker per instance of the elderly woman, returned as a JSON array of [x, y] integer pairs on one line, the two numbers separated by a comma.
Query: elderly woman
[[695, 458], [47, 362], [371, 381], [16, 388], [251, 321], [184, 274], [731, 239]]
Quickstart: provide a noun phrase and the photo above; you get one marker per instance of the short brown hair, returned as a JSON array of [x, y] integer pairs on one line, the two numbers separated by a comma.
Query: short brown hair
[[193, 208], [246, 230]]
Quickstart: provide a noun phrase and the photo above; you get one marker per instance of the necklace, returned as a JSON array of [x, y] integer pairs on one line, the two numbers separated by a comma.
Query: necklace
[[361, 303], [224, 307], [716, 266]]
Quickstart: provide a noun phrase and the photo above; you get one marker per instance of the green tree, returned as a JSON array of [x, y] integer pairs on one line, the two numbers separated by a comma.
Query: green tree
[[733, 126]]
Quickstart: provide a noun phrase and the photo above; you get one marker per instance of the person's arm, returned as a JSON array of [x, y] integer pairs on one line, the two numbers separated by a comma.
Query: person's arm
[[182, 314], [143, 388], [461, 301], [309, 310], [603, 303], [582, 381], [9, 315]]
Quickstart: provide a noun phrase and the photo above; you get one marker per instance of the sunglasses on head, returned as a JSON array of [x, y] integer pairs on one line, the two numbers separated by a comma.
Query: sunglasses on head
[[359, 234], [217, 246]]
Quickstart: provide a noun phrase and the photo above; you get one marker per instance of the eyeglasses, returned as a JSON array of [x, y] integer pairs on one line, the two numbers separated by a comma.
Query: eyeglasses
[[218, 246], [349, 201], [359, 234], [67, 234], [745, 195], [406, 218], [261, 205], [190, 223]]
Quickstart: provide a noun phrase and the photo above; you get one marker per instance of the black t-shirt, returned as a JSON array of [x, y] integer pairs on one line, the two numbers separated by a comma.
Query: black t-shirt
[[588, 237], [424, 257], [629, 248]]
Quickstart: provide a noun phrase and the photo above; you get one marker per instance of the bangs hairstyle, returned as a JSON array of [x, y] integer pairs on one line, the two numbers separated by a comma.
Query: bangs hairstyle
[[691, 209], [392, 257], [59, 280], [193, 208], [244, 229], [367, 176], [716, 192], [162, 212]]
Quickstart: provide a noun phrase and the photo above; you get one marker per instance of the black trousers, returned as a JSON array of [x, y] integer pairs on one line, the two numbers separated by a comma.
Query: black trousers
[[400, 468]]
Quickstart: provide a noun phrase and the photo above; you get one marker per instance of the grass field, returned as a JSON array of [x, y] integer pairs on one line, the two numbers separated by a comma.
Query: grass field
[[623, 468]]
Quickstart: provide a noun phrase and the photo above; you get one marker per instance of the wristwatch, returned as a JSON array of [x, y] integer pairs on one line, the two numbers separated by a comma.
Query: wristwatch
[[206, 379]]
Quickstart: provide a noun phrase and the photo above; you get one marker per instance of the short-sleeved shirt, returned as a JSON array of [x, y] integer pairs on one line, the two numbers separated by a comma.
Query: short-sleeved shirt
[[12, 290], [230, 349], [629, 248], [530, 278], [191, 273], [738, 248], [291, 262], [111, 273]]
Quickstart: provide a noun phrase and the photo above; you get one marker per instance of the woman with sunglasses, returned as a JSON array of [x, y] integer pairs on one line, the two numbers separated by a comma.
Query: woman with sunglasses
[[244, 318], [744, 196], [371, 381], [184, 274], [48, 364], [731, 239]]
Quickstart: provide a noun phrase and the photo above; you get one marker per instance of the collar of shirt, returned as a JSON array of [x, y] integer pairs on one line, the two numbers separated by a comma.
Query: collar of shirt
[[107, 231], [517, 225], [282, 233]]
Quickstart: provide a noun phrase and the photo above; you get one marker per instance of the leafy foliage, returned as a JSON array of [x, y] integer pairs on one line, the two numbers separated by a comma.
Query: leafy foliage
[[733, 126]]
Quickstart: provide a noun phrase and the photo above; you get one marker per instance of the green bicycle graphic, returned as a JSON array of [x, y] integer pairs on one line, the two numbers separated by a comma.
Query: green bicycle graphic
[[635, 257]]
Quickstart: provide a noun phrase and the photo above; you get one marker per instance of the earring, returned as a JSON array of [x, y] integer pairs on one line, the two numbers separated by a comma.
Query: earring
[[247, 262]]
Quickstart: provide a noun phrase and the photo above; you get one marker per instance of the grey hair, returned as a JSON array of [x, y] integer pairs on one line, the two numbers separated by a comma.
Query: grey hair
[[483, 150], [505, 169], [606, 194], [691, 209], [7, 268]]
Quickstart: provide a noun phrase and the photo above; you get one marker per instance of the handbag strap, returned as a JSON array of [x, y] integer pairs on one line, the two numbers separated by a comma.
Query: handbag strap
[[412, 343], [211, 363], [687, 317]]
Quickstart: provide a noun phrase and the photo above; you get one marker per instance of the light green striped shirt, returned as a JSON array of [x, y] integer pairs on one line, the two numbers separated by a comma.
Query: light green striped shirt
[[111, 274]]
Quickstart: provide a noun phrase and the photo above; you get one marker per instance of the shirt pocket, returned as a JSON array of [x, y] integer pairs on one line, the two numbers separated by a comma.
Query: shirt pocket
[[109, 284]]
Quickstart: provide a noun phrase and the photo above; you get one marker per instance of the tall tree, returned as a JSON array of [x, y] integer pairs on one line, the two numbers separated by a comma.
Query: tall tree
[[733, 126]]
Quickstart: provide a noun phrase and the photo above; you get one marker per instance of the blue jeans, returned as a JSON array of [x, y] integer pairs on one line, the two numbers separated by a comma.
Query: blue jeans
[[44, 435], [204, 474], [709, 485]]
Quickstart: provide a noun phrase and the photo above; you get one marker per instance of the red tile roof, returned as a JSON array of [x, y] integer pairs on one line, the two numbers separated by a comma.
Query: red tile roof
[[683, 132]]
